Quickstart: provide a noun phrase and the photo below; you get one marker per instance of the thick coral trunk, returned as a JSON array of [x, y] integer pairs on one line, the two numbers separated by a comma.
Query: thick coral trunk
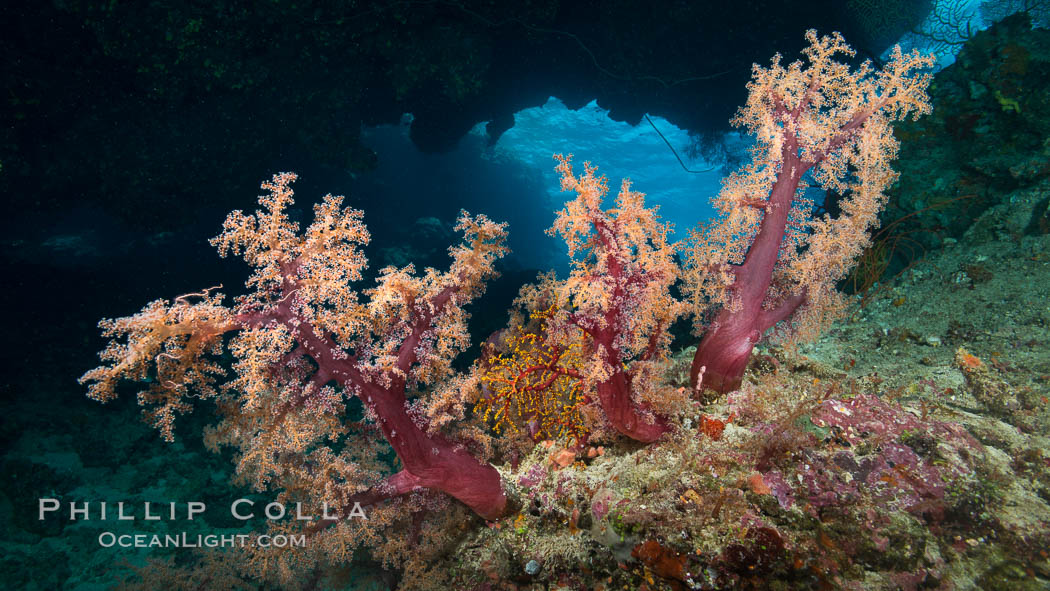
[[433, 461], [626, 416], [723, 353], [429, 460]]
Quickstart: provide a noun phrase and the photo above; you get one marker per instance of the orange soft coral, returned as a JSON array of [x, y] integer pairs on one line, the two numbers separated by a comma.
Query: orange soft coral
[[767, 259], [305, 341]]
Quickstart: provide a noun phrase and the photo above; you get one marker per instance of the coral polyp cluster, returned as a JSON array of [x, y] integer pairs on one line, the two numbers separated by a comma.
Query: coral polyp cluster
[[534, 386]]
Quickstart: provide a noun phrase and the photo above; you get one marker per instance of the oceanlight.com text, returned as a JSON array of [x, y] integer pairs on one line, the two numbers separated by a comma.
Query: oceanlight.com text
[[184, 540]]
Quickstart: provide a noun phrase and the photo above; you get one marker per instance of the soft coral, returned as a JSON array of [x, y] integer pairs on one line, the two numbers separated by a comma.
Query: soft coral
[[768, 259]]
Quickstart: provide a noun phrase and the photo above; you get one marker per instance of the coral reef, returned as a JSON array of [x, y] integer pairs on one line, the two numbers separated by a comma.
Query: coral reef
[[576, 453], [985, 140]]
